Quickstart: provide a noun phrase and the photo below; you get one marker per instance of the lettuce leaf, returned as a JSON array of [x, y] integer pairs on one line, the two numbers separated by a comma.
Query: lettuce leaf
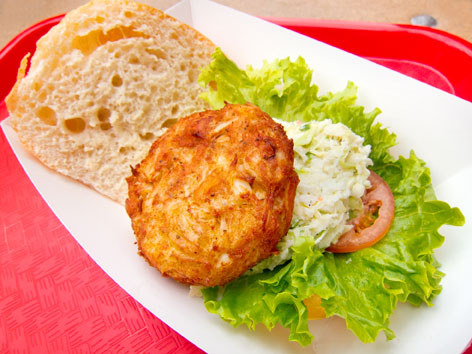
[[363, 287]]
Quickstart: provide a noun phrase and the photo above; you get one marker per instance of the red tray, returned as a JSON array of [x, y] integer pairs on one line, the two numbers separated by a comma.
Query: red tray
[[54, 298]]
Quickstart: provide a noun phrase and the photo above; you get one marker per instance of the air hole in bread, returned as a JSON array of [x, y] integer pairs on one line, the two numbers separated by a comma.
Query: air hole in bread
[[183, 66], [147, 136], [116, 80], [92, 40], [42, 96], [105, 126], [158, 53], [192, 75], [174, 110], [75, 125], [125, 149], [133, 59], [47, 115], [169, 122], [99, 19], [103, 114], [129, 14]]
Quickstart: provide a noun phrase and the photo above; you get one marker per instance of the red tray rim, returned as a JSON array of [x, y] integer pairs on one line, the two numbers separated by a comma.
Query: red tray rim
[[437, 35], [371, 26]]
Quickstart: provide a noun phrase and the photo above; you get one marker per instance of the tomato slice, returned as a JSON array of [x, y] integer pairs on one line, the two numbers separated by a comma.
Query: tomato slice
[[373, 223]]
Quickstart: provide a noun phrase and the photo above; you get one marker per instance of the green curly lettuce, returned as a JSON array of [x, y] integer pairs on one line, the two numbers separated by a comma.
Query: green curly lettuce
[[362, 287]]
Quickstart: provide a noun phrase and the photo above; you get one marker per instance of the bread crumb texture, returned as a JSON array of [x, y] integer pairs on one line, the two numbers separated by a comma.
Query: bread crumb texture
[[102, 85]]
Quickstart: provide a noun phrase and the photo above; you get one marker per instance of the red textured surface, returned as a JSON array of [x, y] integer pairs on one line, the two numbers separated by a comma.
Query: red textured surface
[[436, 57], [54, 298]]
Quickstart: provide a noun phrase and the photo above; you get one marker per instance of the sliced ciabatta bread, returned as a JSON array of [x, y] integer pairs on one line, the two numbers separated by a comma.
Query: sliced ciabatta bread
[[101, 85]]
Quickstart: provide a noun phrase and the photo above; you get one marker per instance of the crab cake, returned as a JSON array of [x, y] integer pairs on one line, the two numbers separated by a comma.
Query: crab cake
[[214, 195]]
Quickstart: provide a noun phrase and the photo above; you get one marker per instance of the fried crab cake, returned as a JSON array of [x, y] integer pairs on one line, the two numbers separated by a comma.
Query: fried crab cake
[[214, 195]]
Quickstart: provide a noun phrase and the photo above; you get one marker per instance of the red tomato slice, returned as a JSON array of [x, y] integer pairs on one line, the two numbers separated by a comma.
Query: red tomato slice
[[373, 223]]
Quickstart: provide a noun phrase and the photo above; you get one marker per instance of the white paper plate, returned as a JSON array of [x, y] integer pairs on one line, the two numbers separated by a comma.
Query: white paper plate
[[438, 126]]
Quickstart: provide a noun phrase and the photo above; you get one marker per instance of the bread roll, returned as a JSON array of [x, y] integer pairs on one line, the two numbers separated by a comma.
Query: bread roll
[[102, 85]]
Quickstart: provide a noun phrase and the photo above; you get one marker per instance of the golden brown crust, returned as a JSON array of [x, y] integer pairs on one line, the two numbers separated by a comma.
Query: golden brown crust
[[214, 196], [156, 12], [12, 99]]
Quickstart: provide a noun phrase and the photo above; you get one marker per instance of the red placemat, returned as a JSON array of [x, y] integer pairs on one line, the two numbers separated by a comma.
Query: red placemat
[[54, 298]]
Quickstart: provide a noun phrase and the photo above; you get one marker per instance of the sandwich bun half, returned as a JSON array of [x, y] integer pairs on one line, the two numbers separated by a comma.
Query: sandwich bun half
[[102, 86]]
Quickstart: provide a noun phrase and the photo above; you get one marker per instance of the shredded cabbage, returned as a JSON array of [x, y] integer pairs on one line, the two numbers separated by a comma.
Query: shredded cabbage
[[332, 164]]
